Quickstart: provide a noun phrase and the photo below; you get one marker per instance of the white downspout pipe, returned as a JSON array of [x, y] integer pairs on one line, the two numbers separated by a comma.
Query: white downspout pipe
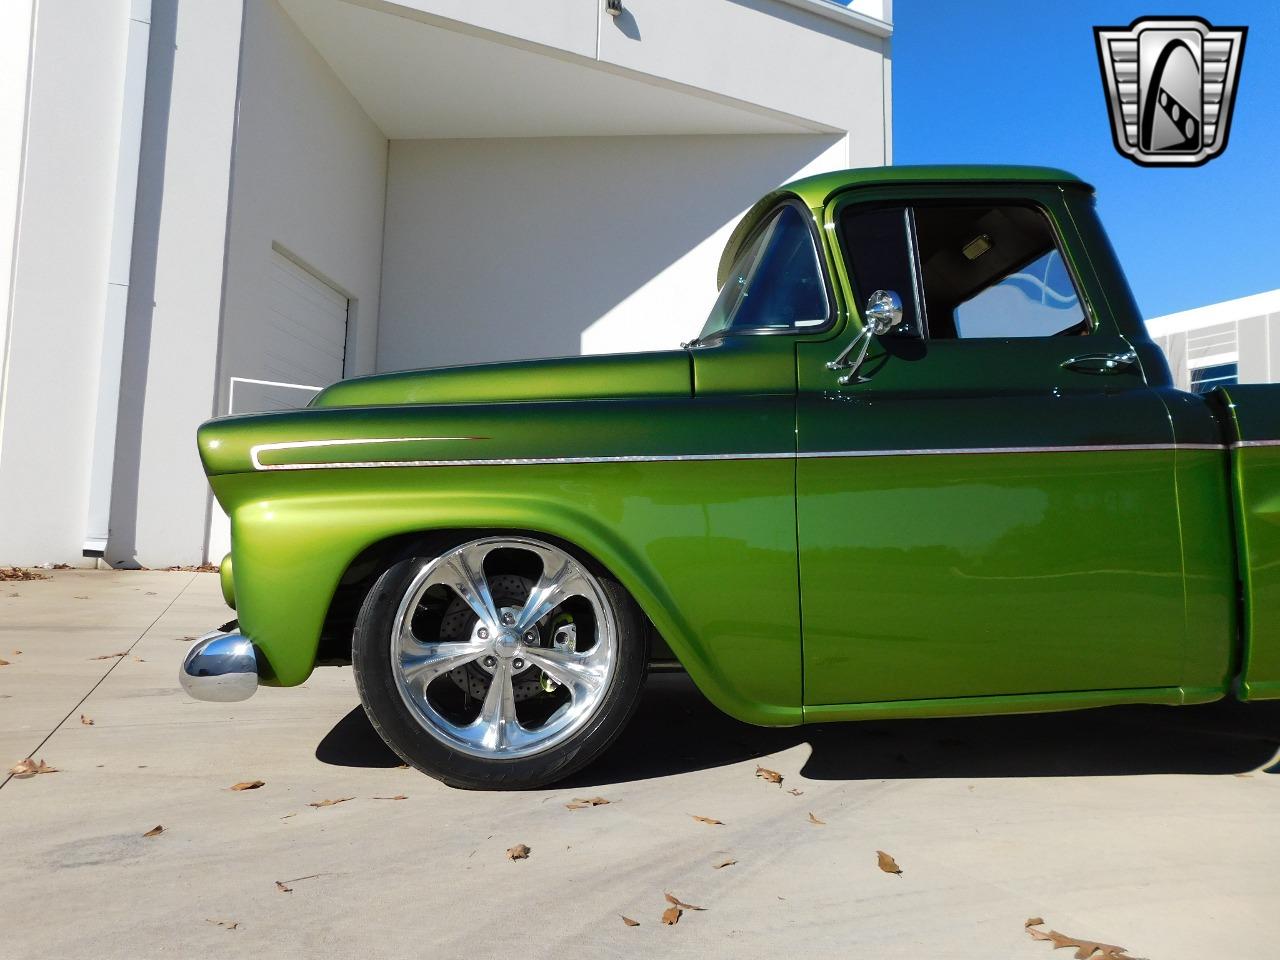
[[97, 526]]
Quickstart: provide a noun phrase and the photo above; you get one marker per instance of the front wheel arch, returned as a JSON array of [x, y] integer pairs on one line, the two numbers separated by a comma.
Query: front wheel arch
[[366, 567]]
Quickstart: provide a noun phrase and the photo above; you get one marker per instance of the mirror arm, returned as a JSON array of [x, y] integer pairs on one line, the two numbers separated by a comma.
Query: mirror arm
[[842, 361], [884, 312]]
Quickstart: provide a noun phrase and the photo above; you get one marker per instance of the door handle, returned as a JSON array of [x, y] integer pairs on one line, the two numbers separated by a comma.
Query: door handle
[[1102, 364]]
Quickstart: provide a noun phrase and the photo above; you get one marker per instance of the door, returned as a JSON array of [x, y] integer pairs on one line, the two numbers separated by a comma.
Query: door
[[988, 508]]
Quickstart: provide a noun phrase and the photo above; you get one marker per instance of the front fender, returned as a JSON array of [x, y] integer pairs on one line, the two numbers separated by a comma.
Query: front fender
[[707, 548]]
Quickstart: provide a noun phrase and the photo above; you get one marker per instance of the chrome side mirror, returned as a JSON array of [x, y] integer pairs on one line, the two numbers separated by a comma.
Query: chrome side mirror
[[884, 312]]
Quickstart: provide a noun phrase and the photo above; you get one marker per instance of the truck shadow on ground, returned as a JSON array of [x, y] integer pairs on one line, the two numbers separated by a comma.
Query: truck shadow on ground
[[676, 730]]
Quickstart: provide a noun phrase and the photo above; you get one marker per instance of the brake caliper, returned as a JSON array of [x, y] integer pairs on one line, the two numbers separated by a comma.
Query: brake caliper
[[565, 639]]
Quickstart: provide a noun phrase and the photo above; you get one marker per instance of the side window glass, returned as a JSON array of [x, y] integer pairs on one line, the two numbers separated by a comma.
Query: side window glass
[[877, 241], [776, 282], [995, 271]]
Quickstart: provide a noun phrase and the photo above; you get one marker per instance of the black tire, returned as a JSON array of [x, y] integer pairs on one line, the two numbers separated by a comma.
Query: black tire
[[404, 732]]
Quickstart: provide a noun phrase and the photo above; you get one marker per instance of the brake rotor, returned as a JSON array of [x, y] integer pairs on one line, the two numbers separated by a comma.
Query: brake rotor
[[509, 592]]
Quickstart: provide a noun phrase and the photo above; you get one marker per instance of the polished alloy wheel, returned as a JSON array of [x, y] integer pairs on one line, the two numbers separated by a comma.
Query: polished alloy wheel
[[503, 647]]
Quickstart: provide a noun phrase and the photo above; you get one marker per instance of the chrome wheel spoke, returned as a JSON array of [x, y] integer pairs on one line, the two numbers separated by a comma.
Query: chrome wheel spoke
[[555, 586], [464, 573], [436, 658], [496, 726], [582, 673]]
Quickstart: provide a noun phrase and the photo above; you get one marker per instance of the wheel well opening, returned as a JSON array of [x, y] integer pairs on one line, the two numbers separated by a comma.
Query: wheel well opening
[[363, 572]]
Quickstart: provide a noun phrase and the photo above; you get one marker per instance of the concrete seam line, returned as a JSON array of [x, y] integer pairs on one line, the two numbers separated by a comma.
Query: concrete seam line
[[119, 660]]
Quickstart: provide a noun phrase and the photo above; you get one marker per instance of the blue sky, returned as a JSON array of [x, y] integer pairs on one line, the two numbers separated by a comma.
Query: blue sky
[[1005, 82]]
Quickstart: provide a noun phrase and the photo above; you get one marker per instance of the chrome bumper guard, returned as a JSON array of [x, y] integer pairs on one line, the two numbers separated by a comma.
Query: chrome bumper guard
[[222, 667]]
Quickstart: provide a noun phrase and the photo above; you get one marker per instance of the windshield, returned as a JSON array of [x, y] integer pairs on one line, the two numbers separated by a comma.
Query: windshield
[[776, 281]]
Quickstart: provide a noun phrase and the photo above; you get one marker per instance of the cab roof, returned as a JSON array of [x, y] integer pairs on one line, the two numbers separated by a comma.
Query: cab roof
[[816, 190]]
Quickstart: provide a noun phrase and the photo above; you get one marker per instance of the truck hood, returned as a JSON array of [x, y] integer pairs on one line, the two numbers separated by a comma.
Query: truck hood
[[662, 374]]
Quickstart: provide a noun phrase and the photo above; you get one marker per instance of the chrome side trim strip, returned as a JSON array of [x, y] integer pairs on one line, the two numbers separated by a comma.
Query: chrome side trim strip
[[527, 461], [255, 452], [1255, 443], [954, 451], [690, 457]]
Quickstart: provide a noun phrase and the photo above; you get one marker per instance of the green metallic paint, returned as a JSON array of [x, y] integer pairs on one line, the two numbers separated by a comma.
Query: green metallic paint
[[933, 584], [1036, 563], [1253, 415], [715, 572], [1009, 703], [663, 374], [674, 533], [226, 580]]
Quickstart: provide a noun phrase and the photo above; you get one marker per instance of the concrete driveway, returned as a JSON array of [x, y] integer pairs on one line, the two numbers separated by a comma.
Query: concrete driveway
[[1152, 828]]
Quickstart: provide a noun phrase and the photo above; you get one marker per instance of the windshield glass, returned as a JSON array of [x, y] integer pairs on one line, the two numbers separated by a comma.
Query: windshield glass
[[775, 282]]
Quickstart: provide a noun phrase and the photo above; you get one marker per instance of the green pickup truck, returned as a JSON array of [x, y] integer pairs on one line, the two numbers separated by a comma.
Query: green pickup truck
[[922, 460]]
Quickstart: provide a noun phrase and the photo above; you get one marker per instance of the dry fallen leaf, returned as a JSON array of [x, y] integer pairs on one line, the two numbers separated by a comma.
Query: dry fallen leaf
[[887, 863], [283, 885], [17, 573], [813, 819], [111, 656], [725, 863], [710, 820], [677, 902], [1085, 949], [795, 793], [229, 924], [87, 721], [25, 769], [671, 916], [1034, 921], [154, 831], [398, 796], [4, 662], [248, 785], [519, 852], [629, 922], [773, 776], [579, 803], [328, 803]]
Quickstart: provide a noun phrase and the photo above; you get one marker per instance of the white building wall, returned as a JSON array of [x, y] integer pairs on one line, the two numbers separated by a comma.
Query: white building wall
[[310, 178], [15, 46], [310, 174], [59, 268], [1244, 331], [733, 49], [502, 249], [160, 496], [726, 48]]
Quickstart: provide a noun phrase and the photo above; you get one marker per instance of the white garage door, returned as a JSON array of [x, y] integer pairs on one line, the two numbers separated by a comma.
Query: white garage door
[[303, 341]]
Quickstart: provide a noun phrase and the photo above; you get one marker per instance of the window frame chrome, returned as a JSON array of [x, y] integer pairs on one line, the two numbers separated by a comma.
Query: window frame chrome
[[828, 289]]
